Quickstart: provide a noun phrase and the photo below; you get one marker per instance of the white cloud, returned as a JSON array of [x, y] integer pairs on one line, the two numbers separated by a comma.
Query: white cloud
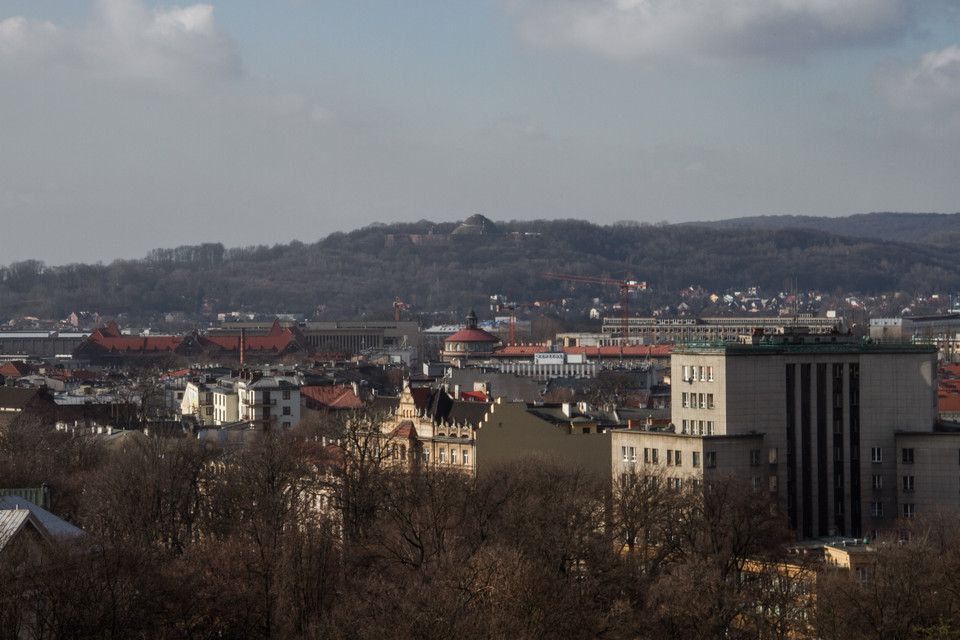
[[933, 86], [125, 40], [712, 32]]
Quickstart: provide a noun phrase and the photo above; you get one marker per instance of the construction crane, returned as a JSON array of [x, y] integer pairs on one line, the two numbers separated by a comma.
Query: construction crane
[[512, 307], [626, 285]]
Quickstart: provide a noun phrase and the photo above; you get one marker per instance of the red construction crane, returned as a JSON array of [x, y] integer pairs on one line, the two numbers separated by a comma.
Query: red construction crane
[[626, 285], [512, 307]]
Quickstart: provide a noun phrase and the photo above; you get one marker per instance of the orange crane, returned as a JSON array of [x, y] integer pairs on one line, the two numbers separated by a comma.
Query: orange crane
[[512, 307], [626, 285]]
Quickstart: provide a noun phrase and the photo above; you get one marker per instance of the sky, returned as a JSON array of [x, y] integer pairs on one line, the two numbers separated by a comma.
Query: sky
[[130, 125]]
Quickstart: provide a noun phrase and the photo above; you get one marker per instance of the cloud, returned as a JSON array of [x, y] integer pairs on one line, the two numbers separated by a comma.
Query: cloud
[[711, 32], [125, 40], [933, 86], [512, 128]]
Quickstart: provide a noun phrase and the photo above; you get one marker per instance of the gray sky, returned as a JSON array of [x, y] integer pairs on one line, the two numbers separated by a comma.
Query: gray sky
[[127, 125]]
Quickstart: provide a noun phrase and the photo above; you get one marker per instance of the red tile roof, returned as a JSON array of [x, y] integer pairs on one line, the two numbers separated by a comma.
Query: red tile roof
[[330, 397], [16, 368], [108, 340], [276, 340], [474, 396], [472, 335], [405, 430]]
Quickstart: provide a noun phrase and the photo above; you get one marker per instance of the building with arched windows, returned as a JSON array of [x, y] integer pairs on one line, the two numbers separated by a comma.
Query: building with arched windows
[[470, 342]]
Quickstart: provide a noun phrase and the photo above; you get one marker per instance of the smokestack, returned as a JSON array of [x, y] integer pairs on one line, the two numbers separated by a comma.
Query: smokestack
[[243, 341]]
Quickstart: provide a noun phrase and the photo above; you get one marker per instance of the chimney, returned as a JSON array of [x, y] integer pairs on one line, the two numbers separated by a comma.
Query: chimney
[[243, 341]]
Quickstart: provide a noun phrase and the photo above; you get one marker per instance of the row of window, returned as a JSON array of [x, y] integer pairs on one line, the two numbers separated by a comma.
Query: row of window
[[696, 400], [907, 510], [674, 457], [697, 427], [772, 483], [442, 456], [693, 373]]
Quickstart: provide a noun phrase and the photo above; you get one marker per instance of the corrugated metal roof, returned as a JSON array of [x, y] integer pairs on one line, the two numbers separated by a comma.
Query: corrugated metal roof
[[56, 527], [11, 522]]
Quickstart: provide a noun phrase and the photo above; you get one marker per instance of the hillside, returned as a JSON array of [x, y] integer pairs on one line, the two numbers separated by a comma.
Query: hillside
[[359, 274], [942, 229]]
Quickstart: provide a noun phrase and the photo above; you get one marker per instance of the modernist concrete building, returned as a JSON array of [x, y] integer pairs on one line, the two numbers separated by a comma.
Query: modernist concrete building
[[825, 414]]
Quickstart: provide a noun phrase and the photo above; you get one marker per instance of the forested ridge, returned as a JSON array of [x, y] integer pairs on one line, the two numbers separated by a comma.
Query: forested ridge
[[359, 274]]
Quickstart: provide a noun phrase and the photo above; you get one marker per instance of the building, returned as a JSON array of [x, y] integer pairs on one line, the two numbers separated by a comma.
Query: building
[[470, 343], [664, 330], [824, 415], [267, 401]]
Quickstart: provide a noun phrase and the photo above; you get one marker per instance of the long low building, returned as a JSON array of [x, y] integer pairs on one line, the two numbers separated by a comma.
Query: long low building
[[669, 330]]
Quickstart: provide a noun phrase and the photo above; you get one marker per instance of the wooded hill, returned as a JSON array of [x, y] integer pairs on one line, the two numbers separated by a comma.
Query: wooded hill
[[359, 274]]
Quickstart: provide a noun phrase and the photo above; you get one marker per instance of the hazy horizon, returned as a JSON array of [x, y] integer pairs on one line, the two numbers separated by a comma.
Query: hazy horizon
[[130, 125]]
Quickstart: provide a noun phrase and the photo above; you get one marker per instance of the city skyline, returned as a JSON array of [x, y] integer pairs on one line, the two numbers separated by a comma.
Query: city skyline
[[129, 125]]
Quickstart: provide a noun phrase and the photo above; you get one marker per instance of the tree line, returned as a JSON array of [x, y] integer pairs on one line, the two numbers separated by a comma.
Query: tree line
[[359, 274], [289, 537]]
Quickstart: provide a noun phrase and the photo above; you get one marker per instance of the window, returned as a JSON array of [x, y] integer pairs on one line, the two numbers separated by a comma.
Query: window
[[426, 455], [646, 455], [286, 394], [685, 400], [876, 454], [906, 456], [709, 401], [755, 458], [453, 456], [774, 483], [684, 428], [877, 481], [208, 398], [286, 425], [696, 459], [909, 510], [908, 483], [676, 458], [633, 454], [876, 509], [686, 374], [442, 455], [623, 450], [654, 455], [710, 459], [703, 374], [703, 401], [466, 456], [669, 457], [709, 430], [756, 485], [209, 411], [286, 411], [773, 455], [710, 374]]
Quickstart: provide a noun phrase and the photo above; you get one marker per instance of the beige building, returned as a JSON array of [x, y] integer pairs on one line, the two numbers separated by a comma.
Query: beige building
[[438, 432], [512, 430], [827, 411], [927, 474]]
